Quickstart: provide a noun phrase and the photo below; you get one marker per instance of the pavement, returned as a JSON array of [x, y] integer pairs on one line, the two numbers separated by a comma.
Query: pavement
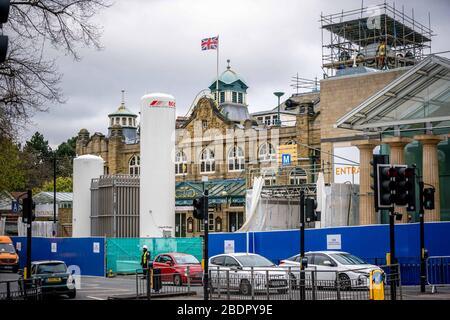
[[102, 288]]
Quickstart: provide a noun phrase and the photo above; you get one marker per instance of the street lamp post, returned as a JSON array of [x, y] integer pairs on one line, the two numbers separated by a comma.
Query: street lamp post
[[279, 95]]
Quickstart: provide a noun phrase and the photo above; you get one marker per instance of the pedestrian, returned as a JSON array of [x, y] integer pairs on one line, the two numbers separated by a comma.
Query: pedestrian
[[381, 55], [145, 258]]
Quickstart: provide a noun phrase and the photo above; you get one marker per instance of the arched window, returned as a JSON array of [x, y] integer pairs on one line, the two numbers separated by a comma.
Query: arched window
[[236, 159], [180, 163], [207, 161], [297, 176], [134, 165], [267, 152]]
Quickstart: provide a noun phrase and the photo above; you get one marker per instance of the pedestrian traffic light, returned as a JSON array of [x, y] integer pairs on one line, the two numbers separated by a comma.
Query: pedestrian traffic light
[[386, 185], [4, 13], [199, 208], [428, 198], [377, 159], [310, 210]]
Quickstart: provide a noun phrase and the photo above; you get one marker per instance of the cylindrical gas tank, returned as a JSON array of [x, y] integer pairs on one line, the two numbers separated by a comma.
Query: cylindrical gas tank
[[157, 176], [85, 168]]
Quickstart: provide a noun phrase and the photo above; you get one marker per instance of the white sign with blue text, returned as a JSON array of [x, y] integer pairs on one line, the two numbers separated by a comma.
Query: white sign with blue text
[[334, 242]]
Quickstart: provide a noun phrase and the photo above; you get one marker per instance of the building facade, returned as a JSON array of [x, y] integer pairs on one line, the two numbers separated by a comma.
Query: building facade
[[222, 142]]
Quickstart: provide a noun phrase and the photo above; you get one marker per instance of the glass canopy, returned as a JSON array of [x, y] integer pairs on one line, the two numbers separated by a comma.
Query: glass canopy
[[417, 100]]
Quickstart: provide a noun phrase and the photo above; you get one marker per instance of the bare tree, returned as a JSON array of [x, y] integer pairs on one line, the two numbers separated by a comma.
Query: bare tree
[[29, 81]]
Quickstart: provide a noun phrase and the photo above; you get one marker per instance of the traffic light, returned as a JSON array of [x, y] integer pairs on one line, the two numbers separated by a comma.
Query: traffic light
[[4, 13], [428, 198], [28, 207], [310, 210], [405, 192], [199, 208], [377, 159], [386, 185]]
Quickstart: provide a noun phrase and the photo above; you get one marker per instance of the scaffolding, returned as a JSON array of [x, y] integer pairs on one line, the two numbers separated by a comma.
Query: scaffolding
[[355, 36]]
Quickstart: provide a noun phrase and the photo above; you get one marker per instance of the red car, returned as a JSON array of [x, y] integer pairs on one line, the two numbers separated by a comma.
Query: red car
[[174, 265]]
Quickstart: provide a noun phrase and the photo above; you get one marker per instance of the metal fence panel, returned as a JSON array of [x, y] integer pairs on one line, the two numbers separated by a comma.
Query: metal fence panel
[[123, 255], [87, 254]]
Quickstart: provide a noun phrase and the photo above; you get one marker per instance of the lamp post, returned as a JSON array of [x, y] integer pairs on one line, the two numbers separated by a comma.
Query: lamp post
[[279, 95]]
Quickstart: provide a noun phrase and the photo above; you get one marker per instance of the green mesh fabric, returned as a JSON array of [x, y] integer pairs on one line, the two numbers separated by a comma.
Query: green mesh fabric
[[123, 255]]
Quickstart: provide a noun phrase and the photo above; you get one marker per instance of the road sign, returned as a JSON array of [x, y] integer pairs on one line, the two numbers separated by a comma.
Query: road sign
[[286, 159], [15, 206]]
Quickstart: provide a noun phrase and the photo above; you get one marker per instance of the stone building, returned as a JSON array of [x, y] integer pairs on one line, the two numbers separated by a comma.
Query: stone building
[[222, 141]]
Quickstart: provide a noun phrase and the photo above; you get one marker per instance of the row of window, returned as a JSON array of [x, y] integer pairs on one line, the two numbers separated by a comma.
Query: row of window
[[236, 97], [123, 121], [269, 120], [235, 160]]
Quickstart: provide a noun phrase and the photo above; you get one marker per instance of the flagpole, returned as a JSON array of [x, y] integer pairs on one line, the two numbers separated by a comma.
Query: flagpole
[[217, 70]]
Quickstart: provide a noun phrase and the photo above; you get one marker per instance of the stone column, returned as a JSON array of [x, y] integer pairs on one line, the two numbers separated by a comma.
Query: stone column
[[397, 156], [430, 171], [366, 198]]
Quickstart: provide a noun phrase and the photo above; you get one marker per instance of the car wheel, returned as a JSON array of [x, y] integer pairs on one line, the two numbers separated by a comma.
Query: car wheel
[[344, 281], [245, 288], [177, 280], [72, 294]]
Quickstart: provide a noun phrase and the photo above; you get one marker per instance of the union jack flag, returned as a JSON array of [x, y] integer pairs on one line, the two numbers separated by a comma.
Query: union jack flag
[[210, 43]]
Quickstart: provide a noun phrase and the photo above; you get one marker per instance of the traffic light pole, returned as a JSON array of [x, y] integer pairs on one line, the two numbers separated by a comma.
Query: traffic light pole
[[205, 254], [392, 269], [302, 244], [423, 275], [29, 215]]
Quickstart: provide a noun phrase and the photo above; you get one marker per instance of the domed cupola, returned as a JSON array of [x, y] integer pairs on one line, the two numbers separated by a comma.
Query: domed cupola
[[230, 91], [126, 119]]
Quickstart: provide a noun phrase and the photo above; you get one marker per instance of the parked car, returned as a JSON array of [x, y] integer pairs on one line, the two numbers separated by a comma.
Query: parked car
[[9, 259], [174, 267], [266, 275], [351, 271], [55, 280]]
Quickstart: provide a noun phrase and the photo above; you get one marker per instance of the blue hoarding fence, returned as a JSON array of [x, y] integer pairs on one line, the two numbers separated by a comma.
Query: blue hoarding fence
[[84, 254], [368, 242]]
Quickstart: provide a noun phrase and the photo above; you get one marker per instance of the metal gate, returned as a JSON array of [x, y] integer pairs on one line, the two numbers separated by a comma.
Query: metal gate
[[115, 206]]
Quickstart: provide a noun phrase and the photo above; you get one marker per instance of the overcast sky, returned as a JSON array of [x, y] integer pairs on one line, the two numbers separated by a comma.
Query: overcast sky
[[154, 46]]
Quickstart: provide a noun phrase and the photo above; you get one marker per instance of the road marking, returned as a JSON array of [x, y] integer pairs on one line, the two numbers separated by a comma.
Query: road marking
[[95, 298]]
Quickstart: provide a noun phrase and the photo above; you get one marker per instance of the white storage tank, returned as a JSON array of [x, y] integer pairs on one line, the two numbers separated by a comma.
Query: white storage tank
[[85, 168], [157, 176]]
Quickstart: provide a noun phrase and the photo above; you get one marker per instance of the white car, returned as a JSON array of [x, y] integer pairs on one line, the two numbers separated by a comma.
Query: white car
[[246, 271], [352, 272]]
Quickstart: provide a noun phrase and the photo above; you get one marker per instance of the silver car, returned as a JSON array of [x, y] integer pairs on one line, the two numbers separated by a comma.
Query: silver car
[[351, 271], [246, 272]]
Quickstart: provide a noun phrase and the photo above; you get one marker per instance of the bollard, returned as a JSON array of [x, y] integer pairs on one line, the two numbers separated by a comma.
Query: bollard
[[267, 285], [218, 282]]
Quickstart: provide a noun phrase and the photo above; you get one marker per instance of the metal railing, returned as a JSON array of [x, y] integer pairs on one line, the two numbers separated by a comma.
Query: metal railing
[[21, 289], [294, 284], [164, 282], [438, 271]]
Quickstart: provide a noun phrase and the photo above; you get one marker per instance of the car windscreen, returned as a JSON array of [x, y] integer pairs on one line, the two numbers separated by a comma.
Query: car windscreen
[[186, 259], [7, 248], [254, 261], [347, 259], [51, 268]]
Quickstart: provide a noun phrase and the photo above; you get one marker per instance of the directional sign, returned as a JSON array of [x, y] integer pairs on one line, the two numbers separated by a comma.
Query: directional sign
[[15, 206]]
